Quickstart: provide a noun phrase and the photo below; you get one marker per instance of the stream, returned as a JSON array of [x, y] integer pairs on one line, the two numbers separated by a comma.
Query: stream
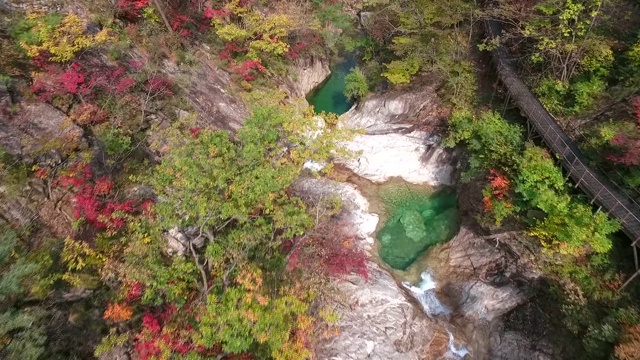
[[413, 219], [329, 97]]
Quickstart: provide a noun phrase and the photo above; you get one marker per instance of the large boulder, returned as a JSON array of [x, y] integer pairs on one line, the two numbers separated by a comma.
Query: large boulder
[[36, 129], [483, 281], [398, 138]]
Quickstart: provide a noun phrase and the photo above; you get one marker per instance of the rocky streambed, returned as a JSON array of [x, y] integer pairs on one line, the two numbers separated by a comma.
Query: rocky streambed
[[444, 305]]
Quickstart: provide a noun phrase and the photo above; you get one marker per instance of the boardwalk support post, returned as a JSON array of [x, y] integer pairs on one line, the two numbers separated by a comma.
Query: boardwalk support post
[[629, 280], [635, 259], [595, 197]]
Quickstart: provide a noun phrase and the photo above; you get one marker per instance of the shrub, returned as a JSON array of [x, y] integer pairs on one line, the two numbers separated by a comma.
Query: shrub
[[58, 37], [356, 84]]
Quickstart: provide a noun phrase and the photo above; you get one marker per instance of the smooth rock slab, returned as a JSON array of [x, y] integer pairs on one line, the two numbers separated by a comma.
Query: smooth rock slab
[[396, 142], [414, 157]]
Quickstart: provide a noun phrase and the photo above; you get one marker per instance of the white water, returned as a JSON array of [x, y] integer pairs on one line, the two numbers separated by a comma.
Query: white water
[[425, 293]]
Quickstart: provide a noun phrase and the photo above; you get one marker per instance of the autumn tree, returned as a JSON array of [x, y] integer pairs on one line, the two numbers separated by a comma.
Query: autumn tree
[[569, 226], [492, 141], [240, 23], [232, 196]]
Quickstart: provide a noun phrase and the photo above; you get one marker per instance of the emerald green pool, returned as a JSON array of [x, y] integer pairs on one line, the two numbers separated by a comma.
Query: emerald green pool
[[329, 97], [417, 221]]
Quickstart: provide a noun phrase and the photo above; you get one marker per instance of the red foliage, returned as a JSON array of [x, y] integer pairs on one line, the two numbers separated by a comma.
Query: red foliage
[[294, 51], [41, 173], [210, 13], [87, 81], [636, 107], [630, 149], [93, 200], [73, 78], [159, 86], [152, 337], [131, 9], [135, 291], [195, 132], [248, 69], [147, 207], [499, 184], [331, 250], [231, 49], [58, 81], [187, 17]]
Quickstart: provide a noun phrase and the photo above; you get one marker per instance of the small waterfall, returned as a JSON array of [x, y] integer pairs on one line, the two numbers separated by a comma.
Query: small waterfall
[[460, 352], [425, 293]]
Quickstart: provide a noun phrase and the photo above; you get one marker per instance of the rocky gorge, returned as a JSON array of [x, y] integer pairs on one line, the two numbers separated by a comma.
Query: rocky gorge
[[445, 306]]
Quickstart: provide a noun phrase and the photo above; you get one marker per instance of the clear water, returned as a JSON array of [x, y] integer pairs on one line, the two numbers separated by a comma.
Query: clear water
[[329, 97], [417, 221], [425, 293]]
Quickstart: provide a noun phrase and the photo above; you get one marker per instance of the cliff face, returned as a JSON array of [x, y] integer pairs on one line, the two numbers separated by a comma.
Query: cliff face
[[305, 75], [34, 129]]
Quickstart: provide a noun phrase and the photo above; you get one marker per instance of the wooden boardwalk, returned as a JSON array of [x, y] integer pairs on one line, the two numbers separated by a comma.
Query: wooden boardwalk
[[601, 190]]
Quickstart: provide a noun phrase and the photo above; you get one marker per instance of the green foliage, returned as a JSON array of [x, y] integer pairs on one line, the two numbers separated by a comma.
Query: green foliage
[[598, 333], [109, 342], [585, 92], [332, 12], [235, 193], [569, 224], [429, 35], [573, 225], [244, 317], [62, 37], [492, 141], [539, 180], [356, 84], [261, 34], [116, 143], [401, 71], [553, 94], [570, 98], [22, 29], [13, 173], [564, 39], [21, 335]]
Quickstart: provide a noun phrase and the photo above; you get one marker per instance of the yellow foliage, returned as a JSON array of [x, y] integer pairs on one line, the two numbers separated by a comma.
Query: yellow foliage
[[77, 255], [64, 40], [261, 33]]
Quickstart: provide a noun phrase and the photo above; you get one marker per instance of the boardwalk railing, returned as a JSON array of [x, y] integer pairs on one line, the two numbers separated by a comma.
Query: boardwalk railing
[[600, 189]]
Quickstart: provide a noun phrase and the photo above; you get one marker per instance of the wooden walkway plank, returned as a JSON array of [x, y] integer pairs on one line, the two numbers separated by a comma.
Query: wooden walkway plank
[[601, 190]]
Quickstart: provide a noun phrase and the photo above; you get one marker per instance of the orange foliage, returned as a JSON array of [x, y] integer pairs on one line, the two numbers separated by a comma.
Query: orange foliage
[[629, 348], [117, 313], [499, 184]]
